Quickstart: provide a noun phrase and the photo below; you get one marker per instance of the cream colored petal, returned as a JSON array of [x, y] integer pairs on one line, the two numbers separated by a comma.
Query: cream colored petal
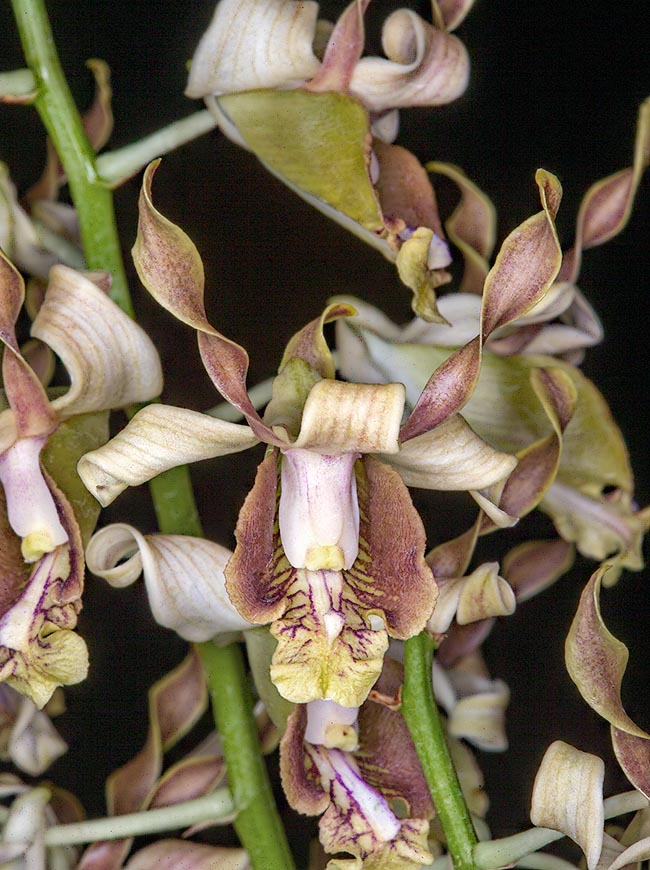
[[183, 575], [480, 718], [59, 658], [462, 311], [423, 66], [637, 852], [339, 417], [158, 438], [568, 797], [110, 359], [484, 594], [34, 743], [488, 504], [451, 457], [249, 45]]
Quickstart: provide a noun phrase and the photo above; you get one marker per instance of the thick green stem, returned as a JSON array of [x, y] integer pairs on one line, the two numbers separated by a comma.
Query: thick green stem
[[257, 822], [421, 713]]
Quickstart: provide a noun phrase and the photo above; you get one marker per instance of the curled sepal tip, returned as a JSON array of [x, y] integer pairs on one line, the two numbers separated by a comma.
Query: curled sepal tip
[[184, 578]]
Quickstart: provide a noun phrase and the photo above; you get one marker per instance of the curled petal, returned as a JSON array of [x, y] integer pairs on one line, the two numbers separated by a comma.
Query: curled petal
[[484, 594], [596, 660], [352, 418], [568, 797], [479, 718], [534, 565], [451, 457], [108, 367], [424, 66], [159, 437], [184, 578], [272, 48]]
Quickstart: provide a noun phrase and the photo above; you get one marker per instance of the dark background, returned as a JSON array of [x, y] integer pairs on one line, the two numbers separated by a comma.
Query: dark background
[[553, 85]]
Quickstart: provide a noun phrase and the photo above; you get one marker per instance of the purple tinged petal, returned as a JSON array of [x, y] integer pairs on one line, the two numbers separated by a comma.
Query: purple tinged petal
[[596, 660], [343, 51], [633, 754]]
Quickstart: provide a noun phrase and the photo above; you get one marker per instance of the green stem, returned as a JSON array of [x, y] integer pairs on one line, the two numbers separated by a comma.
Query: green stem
[[421, 714], [257, 822], [210, 807], [93, 201], [116, 166]]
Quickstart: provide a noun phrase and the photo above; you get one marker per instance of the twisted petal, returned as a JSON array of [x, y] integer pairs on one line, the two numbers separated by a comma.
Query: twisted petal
[[255, 45], [159, 437], [108, 368], [184, 578], [568, 797], [471, 227], [596, 660], [424, 66]]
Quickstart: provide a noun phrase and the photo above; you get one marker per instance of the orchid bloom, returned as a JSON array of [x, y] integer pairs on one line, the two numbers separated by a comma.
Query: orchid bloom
[[325, 127], [282, 44], [358, 768], [42, 564], [580, 475], [312, 555], [563, 322]]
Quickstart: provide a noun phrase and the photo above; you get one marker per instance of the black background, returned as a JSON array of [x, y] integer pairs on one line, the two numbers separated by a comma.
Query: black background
[[553, 85]]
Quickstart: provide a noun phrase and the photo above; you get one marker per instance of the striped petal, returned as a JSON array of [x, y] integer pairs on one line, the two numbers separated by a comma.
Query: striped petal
[[568, 797], [158, 438], [184, 578], [108, 367]]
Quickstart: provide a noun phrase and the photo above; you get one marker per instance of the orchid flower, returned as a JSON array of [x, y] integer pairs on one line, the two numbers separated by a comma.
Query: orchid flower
[[358, 769], [563, 323], [582, 476], [312, 556], [312, 122], [38, 648]]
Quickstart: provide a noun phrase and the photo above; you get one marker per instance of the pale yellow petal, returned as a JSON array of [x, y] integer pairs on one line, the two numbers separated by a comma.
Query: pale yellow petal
[[110, 360], [451, 457], [568, 797], [484, 594], [352, 418], [158, 438]]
